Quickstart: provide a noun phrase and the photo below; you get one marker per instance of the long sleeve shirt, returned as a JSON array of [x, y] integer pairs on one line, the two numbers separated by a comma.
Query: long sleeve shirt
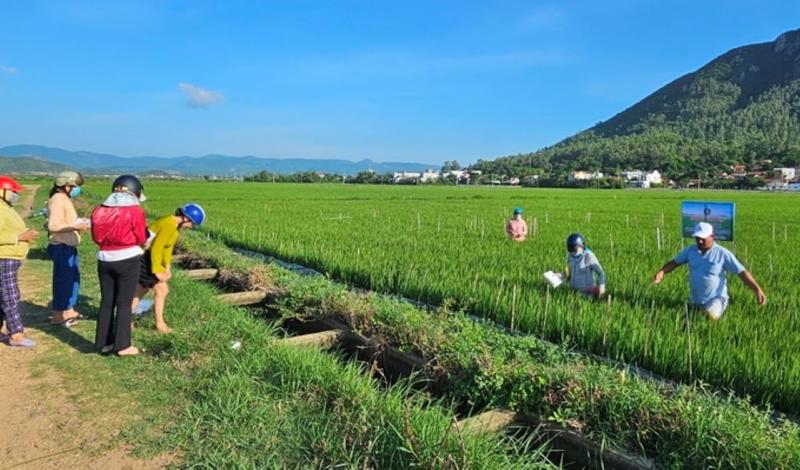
[[517, 228], [582, 271], [166, 231], [11, 226], [61, 221]]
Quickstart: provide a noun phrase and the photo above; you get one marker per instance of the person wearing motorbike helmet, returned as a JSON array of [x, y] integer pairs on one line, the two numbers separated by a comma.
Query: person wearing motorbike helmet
[[155, 268], [15, 241], [119, 228], [64, 227], [517, 228], [584, 272]]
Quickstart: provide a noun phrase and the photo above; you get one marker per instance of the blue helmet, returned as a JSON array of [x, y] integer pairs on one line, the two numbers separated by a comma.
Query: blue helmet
[[194, 212], [574, 241], [517, 210]]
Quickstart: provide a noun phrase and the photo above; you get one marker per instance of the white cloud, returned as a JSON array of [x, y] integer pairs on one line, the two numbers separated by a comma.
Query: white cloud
[[7, 69], [197, 97]]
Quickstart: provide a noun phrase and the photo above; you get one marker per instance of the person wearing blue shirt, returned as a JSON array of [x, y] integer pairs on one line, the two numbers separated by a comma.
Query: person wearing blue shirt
[[708, 265]]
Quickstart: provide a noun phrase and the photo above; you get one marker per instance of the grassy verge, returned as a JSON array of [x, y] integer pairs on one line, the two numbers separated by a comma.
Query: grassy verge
[[263, 405], [479, 365]]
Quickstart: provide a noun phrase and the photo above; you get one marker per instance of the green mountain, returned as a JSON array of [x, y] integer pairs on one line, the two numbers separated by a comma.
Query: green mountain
[[13, 165], [741, 108]]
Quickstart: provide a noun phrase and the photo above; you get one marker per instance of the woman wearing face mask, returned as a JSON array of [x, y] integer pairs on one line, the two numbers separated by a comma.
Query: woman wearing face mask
[[583, 269], [119, 228], [64, 228], [15, 241], [155, 269]]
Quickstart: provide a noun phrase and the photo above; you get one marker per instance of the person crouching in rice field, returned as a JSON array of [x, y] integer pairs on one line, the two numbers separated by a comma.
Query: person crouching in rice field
[[15, 241], [584, 272], [708, 264], [517, 228], [119, 228], [64, 227], [155, 267]]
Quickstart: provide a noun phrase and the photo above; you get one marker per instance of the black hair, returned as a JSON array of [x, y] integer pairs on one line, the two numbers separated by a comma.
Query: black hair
[[57, 189], [179, 212]]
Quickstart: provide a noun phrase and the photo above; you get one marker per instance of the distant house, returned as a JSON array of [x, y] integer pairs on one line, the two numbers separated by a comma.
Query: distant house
[[405, 176], [777, 184], [739, 171], [642, 179], [584, 175], [429, 176], [786, 174]]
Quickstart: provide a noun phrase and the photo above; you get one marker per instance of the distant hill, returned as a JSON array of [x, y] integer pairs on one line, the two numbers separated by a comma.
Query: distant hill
[[205, 165], [29, 165], [742, 107]]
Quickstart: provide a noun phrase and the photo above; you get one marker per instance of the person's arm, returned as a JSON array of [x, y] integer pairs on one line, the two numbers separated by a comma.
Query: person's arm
[[524, 229], [601, 275], [666, 269], [750, 282], [139, 226], [57, 217], [168, 251]]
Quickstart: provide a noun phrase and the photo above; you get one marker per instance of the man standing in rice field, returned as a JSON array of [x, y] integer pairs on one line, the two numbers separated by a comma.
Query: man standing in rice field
[[517, 228], [708, 265]]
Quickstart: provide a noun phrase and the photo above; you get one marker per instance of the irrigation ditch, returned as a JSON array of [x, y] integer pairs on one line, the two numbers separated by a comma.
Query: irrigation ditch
[[592, 414], [388, 364], [776, 415]]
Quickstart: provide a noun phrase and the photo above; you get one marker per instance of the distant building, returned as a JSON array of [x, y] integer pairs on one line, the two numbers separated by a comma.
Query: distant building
[[642, 179], [786, 174], [429, 176], [584, 175], [405, 176], [777, 185]]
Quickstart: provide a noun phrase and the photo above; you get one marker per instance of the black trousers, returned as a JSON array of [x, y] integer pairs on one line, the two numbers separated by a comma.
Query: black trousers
[[118, 281]]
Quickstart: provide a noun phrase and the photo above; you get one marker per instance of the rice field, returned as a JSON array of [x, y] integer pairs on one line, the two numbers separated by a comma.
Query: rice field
[[437, 243]]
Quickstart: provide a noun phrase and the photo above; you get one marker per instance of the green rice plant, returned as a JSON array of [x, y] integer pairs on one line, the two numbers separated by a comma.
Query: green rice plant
[[438, 243], [478, 365]]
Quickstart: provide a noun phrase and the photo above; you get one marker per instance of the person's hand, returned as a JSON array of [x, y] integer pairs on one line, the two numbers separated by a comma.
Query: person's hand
[[28, 235], [601, 290], [761, 297], [82, 226], [658, 277]]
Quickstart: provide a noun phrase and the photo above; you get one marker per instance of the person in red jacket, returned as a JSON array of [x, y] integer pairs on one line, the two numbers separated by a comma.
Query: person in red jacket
[[119, 228]]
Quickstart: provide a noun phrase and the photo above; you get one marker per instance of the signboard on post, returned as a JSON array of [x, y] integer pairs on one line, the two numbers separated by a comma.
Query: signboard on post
[[721, 215]]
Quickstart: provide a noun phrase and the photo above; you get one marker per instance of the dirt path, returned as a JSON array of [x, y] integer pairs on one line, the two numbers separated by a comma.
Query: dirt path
[[46, 424]]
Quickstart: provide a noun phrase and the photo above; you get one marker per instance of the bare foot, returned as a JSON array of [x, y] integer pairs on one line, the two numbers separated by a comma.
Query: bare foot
[[163, 328], [129, 351]]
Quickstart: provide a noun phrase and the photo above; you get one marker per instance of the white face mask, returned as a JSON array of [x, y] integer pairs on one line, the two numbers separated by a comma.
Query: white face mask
[[12, 198]]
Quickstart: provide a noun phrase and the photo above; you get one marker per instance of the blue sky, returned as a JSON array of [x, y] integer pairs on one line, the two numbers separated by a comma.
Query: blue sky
[[423, 81]]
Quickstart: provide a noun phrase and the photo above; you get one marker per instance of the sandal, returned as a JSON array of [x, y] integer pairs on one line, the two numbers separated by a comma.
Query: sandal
[[25, 343], [68, 323]]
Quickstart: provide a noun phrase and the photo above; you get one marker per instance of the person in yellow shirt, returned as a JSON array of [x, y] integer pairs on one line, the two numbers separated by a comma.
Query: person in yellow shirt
[[155, 271], [15, 241]]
